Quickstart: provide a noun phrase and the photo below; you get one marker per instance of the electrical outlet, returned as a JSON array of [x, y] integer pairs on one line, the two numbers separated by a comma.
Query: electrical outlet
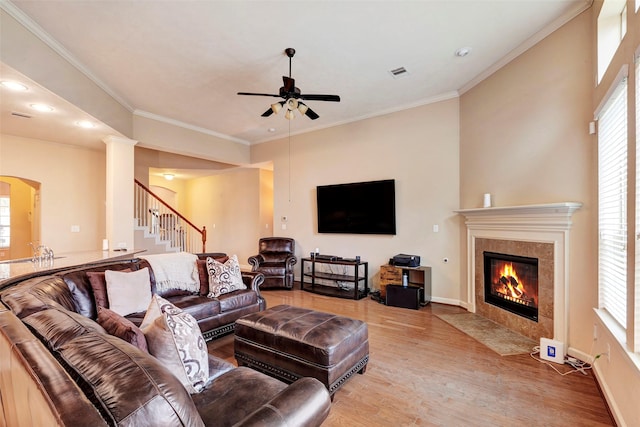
[[608, 352], [595, 332]]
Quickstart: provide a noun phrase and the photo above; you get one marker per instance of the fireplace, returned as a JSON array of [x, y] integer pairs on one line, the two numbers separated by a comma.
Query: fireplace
[[533, 231], [511, 283]]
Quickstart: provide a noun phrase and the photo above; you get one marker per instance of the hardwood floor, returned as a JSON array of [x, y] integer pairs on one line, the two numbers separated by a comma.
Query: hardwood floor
[[424, 372]]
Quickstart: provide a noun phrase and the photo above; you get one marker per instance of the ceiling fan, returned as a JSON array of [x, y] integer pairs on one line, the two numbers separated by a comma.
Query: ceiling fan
[[292, 96]]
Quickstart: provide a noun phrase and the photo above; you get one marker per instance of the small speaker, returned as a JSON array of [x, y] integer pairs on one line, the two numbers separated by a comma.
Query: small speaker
[[403, 296]]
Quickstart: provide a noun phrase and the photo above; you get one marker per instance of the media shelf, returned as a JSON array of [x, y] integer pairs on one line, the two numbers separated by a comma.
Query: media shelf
[[320, 276]]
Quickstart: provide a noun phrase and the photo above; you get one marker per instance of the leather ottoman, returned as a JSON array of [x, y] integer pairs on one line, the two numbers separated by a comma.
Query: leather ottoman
[[289, 342]]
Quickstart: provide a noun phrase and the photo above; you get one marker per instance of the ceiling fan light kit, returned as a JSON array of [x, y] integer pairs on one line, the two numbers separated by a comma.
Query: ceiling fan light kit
[[276, 107], [291, 94]]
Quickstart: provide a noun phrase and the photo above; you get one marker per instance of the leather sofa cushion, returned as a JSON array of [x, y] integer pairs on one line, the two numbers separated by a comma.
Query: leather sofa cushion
[[237, 299], [272, 269], [276, 244], [197, 306], [39, 293], [274, 256], [251, 390], [126, 385], [33, 382]]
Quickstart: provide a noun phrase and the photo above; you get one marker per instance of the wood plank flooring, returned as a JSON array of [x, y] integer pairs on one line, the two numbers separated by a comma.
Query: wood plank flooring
[[424, 372]]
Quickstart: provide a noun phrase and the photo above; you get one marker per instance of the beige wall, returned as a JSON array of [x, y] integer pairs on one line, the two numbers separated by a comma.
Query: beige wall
[[72, 191], [524, 138], [163, 136], [418, 148], [228, 205]]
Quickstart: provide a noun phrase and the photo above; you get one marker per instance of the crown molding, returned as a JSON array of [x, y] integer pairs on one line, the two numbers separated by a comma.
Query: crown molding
[[178, 123], [40, 33]]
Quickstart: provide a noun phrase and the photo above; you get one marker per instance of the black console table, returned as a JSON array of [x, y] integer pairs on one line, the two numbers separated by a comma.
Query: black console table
[[325, 281]]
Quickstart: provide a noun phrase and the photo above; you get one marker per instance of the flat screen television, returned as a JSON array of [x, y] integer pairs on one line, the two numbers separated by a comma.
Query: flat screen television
[[357, 208]]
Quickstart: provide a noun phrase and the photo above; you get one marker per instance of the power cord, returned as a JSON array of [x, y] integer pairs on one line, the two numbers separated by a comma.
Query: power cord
[[577, 364]]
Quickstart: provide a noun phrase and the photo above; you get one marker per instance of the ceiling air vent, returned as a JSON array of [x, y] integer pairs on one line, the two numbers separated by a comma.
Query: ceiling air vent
[[399, 72], [23, 115]]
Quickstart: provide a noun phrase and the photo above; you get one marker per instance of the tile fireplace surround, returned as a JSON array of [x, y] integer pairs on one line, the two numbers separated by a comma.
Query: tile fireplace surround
[[540, 231]]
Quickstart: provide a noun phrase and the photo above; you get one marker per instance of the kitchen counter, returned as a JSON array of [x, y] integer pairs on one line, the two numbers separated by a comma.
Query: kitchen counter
[[14, 268]]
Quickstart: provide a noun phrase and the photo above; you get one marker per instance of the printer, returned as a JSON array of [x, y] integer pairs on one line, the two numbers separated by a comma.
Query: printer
[[404, 260]]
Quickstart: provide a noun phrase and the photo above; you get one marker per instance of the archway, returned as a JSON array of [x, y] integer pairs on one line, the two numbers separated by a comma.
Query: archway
[[19, 216]]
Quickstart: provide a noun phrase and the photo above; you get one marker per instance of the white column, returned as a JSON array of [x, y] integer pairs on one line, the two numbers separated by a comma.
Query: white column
[[119, 192]]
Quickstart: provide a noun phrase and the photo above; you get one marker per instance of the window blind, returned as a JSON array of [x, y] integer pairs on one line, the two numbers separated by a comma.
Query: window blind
[[612, 204]]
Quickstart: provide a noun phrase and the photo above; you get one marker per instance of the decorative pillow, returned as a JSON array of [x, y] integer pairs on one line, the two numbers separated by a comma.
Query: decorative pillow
[[225, 277], [174, 338], [122, 328], [204, 274], [99, 286], [128, 292]]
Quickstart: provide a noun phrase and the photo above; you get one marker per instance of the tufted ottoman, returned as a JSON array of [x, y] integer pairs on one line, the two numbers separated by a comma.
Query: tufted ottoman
[[292, 342]]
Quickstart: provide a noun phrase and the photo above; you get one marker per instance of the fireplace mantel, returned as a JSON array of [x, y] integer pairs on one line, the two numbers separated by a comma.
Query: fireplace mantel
[[550, 215], [546, 223]]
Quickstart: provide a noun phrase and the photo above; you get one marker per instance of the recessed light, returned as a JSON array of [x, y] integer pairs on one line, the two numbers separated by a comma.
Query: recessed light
[[14, 86], [271, 130], [86, 124], [168, 176], [42, 108], [463, 51]]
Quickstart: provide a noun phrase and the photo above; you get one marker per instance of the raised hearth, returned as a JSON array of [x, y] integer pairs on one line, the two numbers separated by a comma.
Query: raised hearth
[[533, 231]]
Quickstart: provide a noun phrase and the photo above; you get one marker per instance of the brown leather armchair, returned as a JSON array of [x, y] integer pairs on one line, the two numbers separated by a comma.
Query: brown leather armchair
[[275, 260]]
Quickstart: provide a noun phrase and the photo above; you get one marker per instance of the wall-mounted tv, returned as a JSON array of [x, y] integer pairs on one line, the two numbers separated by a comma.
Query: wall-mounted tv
[[357, 208]]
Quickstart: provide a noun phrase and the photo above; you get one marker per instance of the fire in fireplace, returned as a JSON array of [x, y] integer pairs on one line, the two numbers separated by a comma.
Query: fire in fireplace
[[511, 283]]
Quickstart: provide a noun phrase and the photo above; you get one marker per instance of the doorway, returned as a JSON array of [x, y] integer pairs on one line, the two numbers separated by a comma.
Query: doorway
[[19, 216]]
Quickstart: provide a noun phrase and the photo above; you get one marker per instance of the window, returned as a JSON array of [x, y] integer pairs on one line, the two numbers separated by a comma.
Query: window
[[5, 222], [612, 27], [612, 202]]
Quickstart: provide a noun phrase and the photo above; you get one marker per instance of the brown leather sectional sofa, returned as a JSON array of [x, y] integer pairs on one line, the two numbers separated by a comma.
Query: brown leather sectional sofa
[[60, 367]]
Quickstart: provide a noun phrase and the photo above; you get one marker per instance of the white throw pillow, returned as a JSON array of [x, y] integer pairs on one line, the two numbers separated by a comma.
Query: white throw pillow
[[225, 277], [174, 338], [128, 292]]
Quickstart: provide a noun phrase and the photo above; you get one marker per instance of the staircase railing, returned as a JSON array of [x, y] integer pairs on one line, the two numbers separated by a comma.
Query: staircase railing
[[159, 218]]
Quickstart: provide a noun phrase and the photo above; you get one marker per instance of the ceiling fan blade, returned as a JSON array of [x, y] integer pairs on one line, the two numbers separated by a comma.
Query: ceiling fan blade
[[267, 113], [289, 84], [308, 97], [259, 94], [311, 114]]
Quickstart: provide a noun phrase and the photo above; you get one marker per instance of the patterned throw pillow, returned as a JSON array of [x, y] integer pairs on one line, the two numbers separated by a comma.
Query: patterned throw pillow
[[174, 338], [122, 328], [225, 277]]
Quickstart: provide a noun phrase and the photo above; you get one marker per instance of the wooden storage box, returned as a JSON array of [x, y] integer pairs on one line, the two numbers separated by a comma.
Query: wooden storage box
[[389, 275]]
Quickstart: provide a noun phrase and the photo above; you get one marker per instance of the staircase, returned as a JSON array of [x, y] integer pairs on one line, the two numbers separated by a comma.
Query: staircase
[[159, 228]]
